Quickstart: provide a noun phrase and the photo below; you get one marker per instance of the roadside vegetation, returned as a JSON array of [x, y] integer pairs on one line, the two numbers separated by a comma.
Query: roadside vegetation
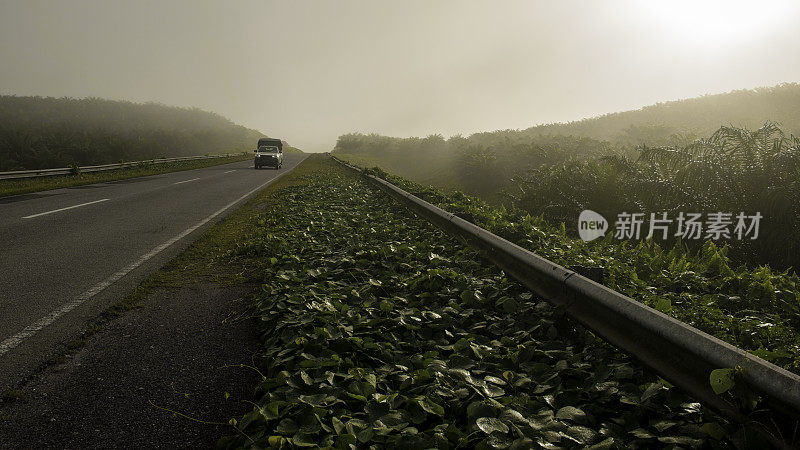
[[380, 329], [663, 162], [484, 163], [734, 170], [754, 308], [46, 132], [465, 164], [24, 186]]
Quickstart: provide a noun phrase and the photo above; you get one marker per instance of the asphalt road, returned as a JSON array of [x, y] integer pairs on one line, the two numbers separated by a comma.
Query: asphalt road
[[68, 254]]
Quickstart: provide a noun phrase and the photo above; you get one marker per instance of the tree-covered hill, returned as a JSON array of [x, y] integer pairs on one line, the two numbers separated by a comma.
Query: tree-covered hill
[[644, 161], [43, 132], [675, 122], [484, 163]]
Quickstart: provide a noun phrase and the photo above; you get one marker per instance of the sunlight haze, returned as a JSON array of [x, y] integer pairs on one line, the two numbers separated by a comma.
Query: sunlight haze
[[308, 72]]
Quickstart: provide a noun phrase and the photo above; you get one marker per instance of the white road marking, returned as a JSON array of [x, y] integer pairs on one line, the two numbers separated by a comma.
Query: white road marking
[[186, 181], [64, 209], [30, 330], [234, 170]]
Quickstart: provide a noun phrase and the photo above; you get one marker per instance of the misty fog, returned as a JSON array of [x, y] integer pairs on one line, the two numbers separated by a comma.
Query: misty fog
[[310, 71]]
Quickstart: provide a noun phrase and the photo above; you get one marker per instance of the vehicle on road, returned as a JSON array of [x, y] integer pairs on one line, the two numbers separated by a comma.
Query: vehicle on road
[[269, 153]]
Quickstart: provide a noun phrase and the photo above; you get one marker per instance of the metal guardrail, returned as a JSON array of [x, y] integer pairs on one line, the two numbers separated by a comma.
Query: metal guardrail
[[36, 173], [679, 353]]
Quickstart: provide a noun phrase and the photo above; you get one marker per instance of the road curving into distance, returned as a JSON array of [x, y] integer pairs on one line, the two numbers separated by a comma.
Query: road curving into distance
[[68, 254]]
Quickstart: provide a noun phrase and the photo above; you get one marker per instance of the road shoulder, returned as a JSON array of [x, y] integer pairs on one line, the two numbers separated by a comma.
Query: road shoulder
[[180, 351]]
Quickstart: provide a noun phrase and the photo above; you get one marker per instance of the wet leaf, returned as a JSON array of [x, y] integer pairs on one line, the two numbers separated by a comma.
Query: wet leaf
[[431, 407], [571, 413], [491, 425]]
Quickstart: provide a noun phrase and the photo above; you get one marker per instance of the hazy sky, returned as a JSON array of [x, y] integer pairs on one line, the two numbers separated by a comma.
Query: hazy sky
[[308, 71]]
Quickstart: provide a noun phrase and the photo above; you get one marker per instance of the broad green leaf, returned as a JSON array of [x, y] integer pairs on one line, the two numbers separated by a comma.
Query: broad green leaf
[[495, 380], [722, 380], [490, 425], [603, 445], [581, 435], [493, 390], [571, 413], [313, 400], [641, 433], [338, 426], [431, 407], [652, 390], [303, 440]]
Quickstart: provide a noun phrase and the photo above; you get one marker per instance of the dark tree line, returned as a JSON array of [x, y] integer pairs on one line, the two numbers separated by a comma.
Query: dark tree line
[[475, 165], [44, 132]]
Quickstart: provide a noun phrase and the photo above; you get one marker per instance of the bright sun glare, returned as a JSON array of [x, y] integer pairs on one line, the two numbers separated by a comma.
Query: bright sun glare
[[714, 23]]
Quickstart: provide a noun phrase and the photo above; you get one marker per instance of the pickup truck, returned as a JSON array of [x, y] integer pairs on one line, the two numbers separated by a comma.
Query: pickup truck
[[269, 153]]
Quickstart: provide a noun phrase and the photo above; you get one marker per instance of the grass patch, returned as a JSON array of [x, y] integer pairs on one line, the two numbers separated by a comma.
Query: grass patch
[[24, 186]]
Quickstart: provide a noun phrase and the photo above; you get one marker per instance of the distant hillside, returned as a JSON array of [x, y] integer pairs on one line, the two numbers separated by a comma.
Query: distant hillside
[[485, 163], [685, 156], [42, 132], [664, 123]]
